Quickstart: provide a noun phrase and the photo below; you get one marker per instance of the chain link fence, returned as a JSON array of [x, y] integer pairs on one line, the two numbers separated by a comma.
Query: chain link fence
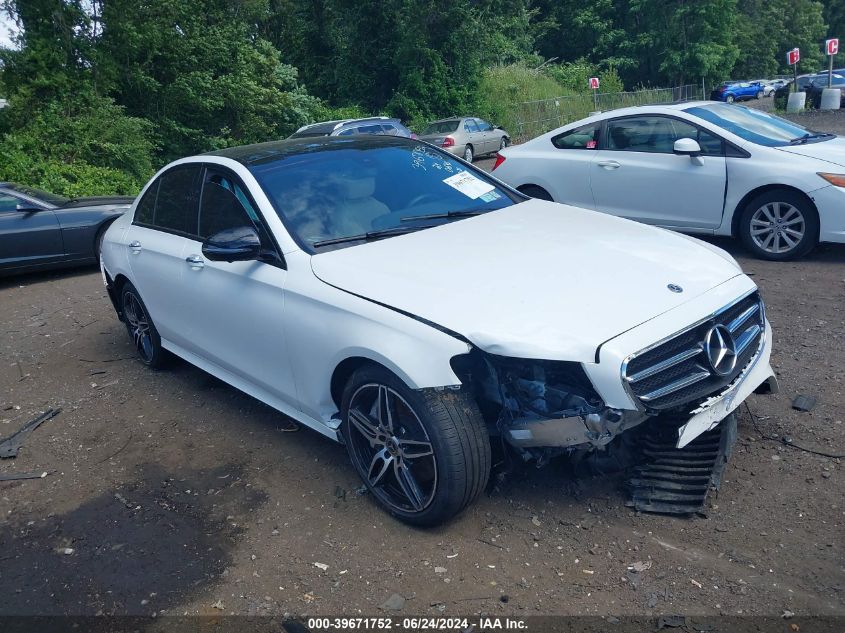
[[534, 118]]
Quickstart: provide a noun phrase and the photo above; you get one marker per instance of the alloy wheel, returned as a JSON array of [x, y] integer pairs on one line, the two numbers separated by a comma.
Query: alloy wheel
[[777, 227], [468, 154], [391, 448], [138, 324]]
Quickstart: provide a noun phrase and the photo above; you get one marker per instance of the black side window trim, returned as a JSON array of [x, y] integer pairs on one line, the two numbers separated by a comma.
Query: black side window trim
[[239, 182]]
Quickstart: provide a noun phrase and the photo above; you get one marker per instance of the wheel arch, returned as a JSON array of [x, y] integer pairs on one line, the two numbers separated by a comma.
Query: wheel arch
[[748, 197]]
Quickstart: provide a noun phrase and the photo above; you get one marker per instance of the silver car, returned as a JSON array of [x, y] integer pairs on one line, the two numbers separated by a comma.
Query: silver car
[[466, 136]]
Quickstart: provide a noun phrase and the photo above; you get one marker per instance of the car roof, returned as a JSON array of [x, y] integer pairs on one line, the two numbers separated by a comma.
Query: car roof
[[330, 126], [271, 151]]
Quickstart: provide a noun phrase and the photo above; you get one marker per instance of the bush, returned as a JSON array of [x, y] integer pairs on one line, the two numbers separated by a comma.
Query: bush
[[76, 147]]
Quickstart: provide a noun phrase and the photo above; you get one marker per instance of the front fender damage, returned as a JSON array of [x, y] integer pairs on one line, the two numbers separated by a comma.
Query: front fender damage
[[542, 408]]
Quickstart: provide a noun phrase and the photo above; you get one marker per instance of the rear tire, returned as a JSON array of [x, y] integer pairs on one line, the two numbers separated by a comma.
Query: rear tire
[[141, 328], [468, 155], [423, 455], [779, 225], [729, 99], [760, 95], [535, 191], [503, 143]]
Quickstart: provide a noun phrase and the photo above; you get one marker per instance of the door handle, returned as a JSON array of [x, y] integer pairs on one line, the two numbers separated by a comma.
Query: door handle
[[609, 164], [195, 261], [135, 245]]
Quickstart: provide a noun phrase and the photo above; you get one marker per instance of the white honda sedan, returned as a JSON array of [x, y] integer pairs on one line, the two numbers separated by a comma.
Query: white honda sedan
[[708, 168], [396, 299]]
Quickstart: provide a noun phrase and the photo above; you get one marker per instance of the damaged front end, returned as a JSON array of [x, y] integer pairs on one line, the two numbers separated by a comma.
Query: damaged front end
[[542, 408]]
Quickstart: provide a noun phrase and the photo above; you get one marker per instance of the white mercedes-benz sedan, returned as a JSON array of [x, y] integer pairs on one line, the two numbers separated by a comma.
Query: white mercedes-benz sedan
[[705, 167], [396, 299]]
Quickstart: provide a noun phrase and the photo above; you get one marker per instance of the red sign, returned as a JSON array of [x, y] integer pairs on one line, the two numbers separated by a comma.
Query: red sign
[[594, 83], [832, 46], [793, 56]]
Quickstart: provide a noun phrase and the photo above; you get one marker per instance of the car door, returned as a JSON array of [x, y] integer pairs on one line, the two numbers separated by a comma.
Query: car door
[[164, 219], [473, 136], [636, 174], [27, 237], [236, 309], [491, 144], [566, 176]]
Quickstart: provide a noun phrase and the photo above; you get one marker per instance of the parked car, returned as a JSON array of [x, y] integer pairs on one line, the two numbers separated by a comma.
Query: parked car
[[40, 230], [321, 277], [767, 85], [701, 167], [730, 91], [350, 127], [803, 81], [818, 83], [466, 136]]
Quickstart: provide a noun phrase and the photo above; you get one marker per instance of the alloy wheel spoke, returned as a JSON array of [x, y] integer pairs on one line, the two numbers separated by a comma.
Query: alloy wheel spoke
[[796, 234], [761, 231], [768, 213], [379, 465], [415, 449], [365, 427], [385, 415], [790, 213], [767, 243], [790, 242], [409, 484]]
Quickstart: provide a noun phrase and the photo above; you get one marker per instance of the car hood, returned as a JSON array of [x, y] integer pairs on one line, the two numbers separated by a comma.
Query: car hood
[[534, 280], [832, 151]]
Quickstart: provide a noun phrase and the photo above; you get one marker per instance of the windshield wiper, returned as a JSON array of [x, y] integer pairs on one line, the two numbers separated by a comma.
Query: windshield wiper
[[808, 137], [451, 214], [369, 235]]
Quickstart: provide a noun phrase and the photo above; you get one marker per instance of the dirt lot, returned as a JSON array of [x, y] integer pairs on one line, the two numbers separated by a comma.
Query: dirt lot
[[170, 492]]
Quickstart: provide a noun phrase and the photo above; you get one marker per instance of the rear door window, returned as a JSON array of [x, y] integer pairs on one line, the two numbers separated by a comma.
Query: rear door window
[[145, 211], [470, 126], [177, 204], [585, 137]]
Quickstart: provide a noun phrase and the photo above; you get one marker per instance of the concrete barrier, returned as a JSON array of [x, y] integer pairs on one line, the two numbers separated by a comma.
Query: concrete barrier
[[831, 99], [797, 101]]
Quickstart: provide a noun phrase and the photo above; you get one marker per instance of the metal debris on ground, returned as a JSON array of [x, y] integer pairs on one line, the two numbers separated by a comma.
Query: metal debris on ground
[[18, 476], [804, 403], [12, 444], [678, 480]]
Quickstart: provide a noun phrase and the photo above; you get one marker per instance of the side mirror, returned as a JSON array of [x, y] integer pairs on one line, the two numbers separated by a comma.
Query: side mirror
[[687, 147], [240, 244], [24, 207]]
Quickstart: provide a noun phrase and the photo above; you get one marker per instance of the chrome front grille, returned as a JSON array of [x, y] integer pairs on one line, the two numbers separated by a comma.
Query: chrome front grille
[[680, 370]]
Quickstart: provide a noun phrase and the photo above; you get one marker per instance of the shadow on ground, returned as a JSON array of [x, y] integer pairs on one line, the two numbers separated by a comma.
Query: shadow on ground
[[137, 549]]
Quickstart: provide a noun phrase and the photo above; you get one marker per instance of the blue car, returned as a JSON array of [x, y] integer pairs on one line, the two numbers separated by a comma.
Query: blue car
[[731, 91]]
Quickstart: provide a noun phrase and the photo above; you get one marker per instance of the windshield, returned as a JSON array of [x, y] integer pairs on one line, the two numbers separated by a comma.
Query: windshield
[[752, 125], [441, 127], [339, 189], [38, 194]]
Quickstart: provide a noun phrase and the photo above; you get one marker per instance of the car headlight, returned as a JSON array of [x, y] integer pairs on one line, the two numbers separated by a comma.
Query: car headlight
[[837, 180]]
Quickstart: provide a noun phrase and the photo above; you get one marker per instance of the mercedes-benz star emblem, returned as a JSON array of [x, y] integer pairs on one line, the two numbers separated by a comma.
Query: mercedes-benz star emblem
[[675, 288], [720, 348]]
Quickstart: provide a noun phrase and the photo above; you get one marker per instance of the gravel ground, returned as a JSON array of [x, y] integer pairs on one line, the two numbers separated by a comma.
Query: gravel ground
[[169, 492]]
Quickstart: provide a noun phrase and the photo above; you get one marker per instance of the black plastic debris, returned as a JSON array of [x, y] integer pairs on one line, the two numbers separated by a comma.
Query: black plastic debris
[[12, 444], [804, 403], [678, 480]]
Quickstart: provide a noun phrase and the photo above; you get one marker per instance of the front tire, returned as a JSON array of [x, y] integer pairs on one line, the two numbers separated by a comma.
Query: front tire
[[141, 328], [760, 95], [468, 155], [779, 225], [729, 98], [423, 455]]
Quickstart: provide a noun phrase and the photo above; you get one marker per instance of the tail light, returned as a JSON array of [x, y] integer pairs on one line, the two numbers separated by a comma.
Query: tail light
[[448, 142], [499, 160]]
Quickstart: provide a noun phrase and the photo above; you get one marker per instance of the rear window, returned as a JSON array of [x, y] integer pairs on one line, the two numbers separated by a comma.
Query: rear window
[[441, 127]]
